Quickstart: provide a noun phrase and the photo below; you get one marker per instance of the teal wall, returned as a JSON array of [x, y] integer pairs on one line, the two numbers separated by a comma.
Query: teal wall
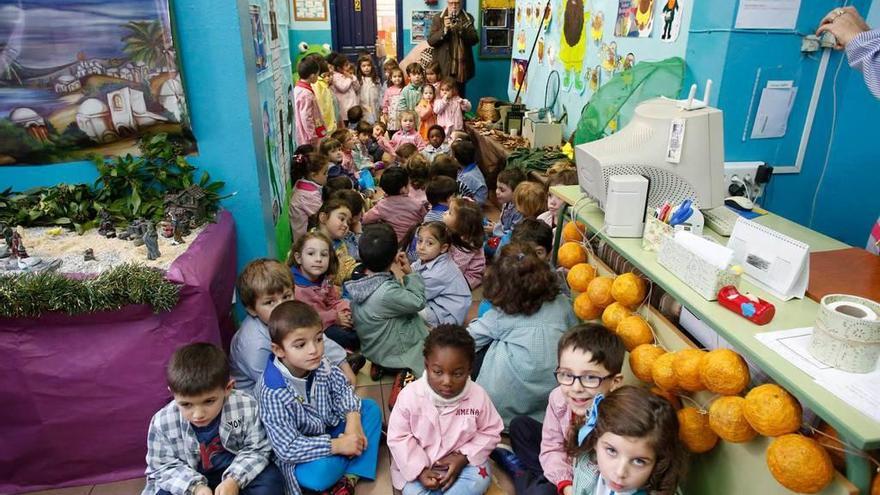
[[847, 203], [214, 44]]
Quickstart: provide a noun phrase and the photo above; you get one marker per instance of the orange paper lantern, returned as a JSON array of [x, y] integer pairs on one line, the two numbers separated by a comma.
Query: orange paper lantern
[[585, 309], [634, 331], [662, 372], [724, 372], [799, 463], [694, 430], [727, 419], [570, 254], [629, 289], [772, 411], [687, 369], [641, 360], [573, 232], [614, 314], [599, 290], [580, 276], [669, 396]]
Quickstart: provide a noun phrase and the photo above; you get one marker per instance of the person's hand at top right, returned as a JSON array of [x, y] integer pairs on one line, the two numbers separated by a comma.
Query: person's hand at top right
[[845, 23]]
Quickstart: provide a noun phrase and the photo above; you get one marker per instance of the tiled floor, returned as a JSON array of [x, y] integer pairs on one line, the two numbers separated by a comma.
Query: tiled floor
[[367, 388]]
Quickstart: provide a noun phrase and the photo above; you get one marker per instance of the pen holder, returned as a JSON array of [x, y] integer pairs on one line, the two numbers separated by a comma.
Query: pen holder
[[655, 232], [697, 273]]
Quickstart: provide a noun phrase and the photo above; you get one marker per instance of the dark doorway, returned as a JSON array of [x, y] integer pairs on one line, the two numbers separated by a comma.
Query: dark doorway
[[353, 25]]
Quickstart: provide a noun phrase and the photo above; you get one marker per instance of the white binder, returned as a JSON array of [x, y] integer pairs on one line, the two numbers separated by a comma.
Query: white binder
[[773, 261]]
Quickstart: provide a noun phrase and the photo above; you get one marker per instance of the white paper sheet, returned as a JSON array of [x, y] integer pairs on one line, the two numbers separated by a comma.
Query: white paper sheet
[[771, 121], [767, 14], [859, 390]]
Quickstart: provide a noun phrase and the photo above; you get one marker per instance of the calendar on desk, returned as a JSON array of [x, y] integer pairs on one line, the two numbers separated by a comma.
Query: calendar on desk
[[773, 261]]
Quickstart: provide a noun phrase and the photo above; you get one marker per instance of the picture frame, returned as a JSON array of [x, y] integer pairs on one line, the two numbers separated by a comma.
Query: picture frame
[[309, 10]]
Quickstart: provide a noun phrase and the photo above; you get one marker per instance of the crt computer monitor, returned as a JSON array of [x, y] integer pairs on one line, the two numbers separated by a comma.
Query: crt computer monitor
[[641, 148]]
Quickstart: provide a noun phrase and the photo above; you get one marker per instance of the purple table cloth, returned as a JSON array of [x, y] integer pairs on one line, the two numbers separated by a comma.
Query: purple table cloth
[[77, 392]]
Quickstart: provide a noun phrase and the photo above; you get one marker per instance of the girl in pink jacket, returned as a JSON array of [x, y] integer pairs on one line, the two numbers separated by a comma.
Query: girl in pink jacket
[[449, 107], [313, 264], [310, 173], [465, 222], [345, 86], [443, 426]]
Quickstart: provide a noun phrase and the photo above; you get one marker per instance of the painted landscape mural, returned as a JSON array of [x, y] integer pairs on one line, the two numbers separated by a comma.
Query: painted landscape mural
[[86, 77]]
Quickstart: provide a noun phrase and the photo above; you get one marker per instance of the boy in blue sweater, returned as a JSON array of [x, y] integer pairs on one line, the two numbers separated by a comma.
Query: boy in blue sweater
[[470, 174], [323, 435]]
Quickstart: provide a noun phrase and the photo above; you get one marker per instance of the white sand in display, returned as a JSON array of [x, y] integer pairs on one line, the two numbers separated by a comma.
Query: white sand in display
[[69, 247]]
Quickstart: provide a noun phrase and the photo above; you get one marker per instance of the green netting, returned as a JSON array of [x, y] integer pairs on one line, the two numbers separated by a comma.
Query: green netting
[[624, 91]]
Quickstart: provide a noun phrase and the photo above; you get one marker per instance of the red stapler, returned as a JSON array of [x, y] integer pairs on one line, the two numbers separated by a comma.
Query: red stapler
[[752, 308]]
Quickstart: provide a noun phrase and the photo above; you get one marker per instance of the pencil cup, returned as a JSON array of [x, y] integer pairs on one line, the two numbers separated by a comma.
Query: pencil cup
[[655, 231]]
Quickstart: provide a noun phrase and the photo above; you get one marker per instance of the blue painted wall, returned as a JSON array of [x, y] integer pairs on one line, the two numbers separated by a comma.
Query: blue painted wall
[[214, 43], [847, 203]]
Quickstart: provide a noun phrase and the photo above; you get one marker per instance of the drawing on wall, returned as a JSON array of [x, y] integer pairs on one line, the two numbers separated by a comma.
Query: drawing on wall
[[629, 61], [548, 16], [259, 38], [521, 41], [421, 25], [608, 55], [595, 78], [518, 73], [597, 27], [672, 13], [86, 77], [540, 49], [635, 18], [551, 55], [528, 13], [573, 43], [309, 10]]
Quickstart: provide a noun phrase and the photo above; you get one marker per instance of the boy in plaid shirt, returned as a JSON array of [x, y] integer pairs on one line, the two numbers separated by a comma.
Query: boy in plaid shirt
[[323, 435], [209, 440]]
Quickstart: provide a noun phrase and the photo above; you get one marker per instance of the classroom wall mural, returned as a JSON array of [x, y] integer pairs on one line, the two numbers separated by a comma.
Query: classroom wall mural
[[587, 42], [86, 77], [269, 28]]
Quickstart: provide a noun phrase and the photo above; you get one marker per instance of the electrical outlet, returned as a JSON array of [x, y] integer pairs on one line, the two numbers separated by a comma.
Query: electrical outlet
[[742, 173]]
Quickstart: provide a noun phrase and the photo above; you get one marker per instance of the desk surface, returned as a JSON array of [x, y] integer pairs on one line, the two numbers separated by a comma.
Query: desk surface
[[858, 429]]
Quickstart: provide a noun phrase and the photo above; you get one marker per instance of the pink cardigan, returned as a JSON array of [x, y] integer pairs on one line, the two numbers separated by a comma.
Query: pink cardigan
[[472, 264], [401, 212], [345, 89], [555, 462], [413, 136], [449, 113], [419, 434], [321, 295], [305, 201], [309, 124]]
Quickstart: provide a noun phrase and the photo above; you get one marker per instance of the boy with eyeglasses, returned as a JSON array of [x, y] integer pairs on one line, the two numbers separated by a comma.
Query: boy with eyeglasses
[[590, 362]]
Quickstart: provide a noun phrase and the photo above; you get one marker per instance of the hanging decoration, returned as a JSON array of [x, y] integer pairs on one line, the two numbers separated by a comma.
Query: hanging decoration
[[521, 41], [87, 77], [573, 43], [540, 49], [548, 16], [597, 26], [595, 78]]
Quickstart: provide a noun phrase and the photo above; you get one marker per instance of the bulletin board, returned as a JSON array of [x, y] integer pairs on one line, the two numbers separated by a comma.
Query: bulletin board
[[580, 45], [309, 10]]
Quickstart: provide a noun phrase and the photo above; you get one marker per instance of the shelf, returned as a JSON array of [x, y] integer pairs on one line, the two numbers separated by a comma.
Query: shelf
[[856, 428]]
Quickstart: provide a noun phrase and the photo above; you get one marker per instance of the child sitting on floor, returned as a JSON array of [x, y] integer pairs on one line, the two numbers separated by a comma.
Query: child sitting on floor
[[436, 143], [417, 168], [396, 209], [520, 332], [470, 174], [313, 263], [446, 290], [444, 164], [439, 193], [452, 457], [208, 417], [385, 303], [322, 434], [507, 181], [408, 132], [530, 199], [333, 221], [465, 224], [309, 173], [356, 204], [590, 361], [332, 151], [263, 285], [567, 177]]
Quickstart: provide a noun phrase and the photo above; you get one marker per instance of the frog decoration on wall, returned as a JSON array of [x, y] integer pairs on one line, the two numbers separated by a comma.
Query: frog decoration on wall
[[573, 43]]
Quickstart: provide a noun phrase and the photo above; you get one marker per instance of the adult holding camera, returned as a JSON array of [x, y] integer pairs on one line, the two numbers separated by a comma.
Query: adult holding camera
[[452, 36]]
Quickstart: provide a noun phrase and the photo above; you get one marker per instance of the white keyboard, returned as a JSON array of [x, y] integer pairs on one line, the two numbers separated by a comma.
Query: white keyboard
[[721, 220]]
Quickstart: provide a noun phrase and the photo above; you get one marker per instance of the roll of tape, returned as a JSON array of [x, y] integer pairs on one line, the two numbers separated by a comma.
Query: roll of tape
[[854, 310]]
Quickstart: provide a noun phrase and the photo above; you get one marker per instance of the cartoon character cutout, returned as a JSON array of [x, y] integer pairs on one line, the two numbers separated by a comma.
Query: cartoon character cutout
[[519, 10], [573, 44], [528, 13], [548, 16], [595, 78], [629, 61], [644, 16], [541, 49], [521, 41], [609, 57], [551, 55], [597, 25], [671, 21]]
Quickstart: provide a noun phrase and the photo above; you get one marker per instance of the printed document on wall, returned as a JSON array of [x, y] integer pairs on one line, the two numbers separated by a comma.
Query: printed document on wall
[[767, 14], [777, 100]]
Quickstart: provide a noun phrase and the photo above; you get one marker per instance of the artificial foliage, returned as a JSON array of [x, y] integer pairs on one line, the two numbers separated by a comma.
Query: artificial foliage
[[30, 295], [127, 187]]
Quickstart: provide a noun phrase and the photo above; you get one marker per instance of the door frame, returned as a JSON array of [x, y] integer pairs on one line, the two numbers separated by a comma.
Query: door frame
[[334, 36]]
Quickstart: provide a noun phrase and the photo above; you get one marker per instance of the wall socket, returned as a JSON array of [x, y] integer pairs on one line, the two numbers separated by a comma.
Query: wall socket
[[744, 171]]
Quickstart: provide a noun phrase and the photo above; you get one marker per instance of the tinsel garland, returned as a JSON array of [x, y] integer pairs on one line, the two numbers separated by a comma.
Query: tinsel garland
[[32, 294]]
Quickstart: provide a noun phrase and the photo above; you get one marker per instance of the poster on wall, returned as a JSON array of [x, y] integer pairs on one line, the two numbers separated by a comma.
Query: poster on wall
[[309, 10], [672, 12], [421, 25], [275, 89], [259, 38], [635, 18], [86, 77]]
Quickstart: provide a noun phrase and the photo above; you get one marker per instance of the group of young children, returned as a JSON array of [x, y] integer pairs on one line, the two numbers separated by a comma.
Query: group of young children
[[386, 274]]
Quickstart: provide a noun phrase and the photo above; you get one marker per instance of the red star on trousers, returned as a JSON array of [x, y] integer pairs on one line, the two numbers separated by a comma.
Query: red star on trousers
[[483, 473]]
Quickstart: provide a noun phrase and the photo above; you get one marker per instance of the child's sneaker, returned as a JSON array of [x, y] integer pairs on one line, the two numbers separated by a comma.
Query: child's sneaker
[[342, 487], [508, 461], [403, 379]]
